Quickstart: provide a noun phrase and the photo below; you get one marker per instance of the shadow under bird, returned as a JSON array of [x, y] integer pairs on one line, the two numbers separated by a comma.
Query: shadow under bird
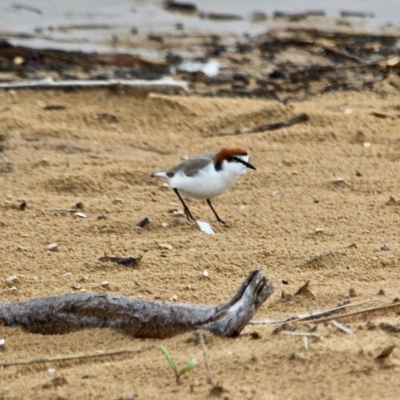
[[206, 176]]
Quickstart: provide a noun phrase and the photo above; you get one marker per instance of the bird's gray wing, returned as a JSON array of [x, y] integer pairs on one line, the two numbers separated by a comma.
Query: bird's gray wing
[[191, 166]]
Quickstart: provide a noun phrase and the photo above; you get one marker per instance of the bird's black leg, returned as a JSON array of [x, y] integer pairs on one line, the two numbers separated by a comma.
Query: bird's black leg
[[216, 215], [185, 207]]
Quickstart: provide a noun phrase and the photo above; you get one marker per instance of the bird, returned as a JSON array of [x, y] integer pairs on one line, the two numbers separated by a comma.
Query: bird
[[205, 176]]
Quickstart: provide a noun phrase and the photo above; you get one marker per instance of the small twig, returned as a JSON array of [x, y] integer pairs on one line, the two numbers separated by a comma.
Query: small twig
[[267, 127], [341, 327], [364, 311], [308, 316], [164, 85], [206, 364], [305, 342], [302, 334], [339, 53], [66, 210], [69, 358]]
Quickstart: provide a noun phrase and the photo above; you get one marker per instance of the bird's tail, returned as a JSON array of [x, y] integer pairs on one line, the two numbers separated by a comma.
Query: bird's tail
[[159, 174]]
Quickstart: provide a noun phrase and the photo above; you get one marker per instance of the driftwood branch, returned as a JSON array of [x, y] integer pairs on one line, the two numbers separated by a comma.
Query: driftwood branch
[[267, 127], [139, 318]]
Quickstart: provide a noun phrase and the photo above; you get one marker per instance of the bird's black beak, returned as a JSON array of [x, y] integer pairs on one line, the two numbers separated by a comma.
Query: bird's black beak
[[248, 165]]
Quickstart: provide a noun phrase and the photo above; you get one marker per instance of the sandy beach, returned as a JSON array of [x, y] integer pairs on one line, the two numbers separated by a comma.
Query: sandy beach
[[323, 206]]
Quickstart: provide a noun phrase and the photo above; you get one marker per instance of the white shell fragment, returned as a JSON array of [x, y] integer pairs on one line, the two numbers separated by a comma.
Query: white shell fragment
[[51, 370], [105, 284], [209, 68], [177, 213], [80, 215], [52, 246], [338, 180], [206, 273], [205, 227], [319, 230], [12, 280], [367, 144], [2, 342]]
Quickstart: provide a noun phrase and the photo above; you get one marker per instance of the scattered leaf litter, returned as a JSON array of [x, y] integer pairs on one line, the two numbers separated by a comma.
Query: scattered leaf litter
[[125, 261]]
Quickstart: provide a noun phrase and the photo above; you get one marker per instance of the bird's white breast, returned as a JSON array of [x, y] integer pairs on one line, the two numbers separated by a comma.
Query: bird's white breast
[[208, 182]]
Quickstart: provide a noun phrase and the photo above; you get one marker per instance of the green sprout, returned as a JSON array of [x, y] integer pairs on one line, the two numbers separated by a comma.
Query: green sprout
[[174, 366]]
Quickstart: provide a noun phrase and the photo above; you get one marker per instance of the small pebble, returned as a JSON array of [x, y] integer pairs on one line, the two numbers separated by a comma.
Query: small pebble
[[2, 343], [51, 370], [143, 222], [206, 273], [105, 284], [352, 292], [177, 213], [52, 246], [165, 246], [18, 60], [164, 225], [318, 230], [174, 297], [367, 144]]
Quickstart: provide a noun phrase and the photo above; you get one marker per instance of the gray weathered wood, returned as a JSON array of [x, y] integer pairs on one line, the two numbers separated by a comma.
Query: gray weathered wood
[[140, 318]]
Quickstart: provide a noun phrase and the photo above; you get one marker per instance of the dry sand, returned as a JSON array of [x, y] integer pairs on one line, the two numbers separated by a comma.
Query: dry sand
[[101, 148]]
